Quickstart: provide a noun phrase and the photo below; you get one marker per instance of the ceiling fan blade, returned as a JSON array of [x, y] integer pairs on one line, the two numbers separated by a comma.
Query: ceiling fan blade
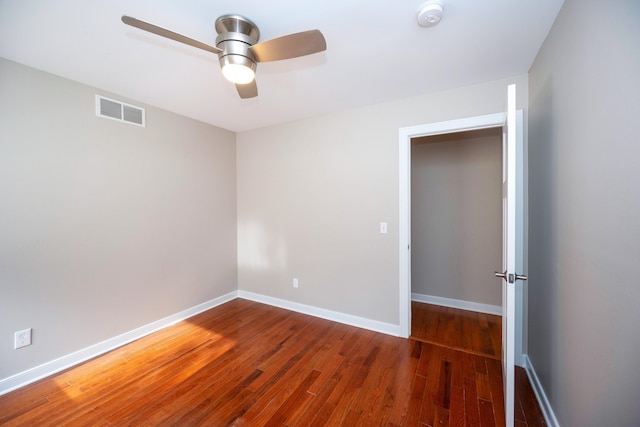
[[290, 46], [168, 34], [249, 90]]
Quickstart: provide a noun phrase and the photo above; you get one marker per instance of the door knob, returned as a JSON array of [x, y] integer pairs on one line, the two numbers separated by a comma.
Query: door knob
[[511, 278]]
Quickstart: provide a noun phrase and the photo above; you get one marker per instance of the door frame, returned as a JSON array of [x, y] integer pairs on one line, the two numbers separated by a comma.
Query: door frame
[[404, 248]]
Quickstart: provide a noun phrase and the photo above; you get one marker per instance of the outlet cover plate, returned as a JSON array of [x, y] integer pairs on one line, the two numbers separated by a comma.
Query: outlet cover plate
[[22, 338]]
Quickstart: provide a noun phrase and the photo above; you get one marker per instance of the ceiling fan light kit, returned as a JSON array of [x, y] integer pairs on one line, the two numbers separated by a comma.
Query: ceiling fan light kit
[[238, 49], [430, 13], [238, 73]]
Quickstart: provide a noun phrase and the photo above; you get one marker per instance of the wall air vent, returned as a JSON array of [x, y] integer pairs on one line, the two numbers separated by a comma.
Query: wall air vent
[[116, 110]]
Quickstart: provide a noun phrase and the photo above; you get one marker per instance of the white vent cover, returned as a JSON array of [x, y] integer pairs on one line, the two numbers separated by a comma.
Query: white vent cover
[[116, 110]]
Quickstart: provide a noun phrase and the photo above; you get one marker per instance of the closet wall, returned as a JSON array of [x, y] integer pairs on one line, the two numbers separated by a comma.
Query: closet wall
[[456, 215]]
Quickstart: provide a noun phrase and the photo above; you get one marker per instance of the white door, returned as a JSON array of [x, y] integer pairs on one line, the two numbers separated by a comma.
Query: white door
[[512, 227]]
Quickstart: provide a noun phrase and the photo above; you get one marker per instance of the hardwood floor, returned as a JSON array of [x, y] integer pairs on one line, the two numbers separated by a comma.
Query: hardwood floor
[[468, 331], [249, 364]]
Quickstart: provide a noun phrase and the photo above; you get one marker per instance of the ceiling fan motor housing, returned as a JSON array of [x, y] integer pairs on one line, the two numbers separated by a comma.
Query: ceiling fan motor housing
[[236, 35]]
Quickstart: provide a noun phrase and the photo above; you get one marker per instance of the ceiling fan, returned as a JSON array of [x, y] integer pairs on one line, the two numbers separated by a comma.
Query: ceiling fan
[[238, 49]]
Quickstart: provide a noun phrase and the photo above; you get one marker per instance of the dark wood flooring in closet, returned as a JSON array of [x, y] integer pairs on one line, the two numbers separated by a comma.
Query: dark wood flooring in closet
[[463, 330], [249, 364]]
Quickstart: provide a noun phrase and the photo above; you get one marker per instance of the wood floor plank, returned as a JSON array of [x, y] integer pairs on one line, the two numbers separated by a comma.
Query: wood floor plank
[[487, 417], [444, 386], [344, 405], [457, 411], [442, 417], [497, 393], [431, 393], [481, 365], [526, 398], [414, 413], [483, 386], [374, 396], [402, 387], [471, 403], [426, 357]]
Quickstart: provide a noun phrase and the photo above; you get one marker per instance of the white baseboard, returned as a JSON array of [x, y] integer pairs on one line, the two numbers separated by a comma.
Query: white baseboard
[[545, 406], [457, 303], [348, 319], [49, 368]]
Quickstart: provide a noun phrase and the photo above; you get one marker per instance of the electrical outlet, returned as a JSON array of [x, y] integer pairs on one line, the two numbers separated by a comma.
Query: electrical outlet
[[295, 282], [22, 338]]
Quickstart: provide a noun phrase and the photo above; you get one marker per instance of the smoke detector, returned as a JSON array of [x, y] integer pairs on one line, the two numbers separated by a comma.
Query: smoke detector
[[430, 13]]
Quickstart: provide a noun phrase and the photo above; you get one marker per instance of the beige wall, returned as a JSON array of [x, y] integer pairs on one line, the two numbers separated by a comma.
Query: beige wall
[[584, 192], [104, 226], [311, 195], [456, 215]]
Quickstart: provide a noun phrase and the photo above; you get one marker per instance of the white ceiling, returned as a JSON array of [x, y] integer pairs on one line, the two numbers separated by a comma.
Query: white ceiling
[[376, 52]]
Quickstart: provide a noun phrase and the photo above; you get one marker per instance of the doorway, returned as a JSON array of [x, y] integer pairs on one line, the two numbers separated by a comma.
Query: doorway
[[456, 224], [405, 137]]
